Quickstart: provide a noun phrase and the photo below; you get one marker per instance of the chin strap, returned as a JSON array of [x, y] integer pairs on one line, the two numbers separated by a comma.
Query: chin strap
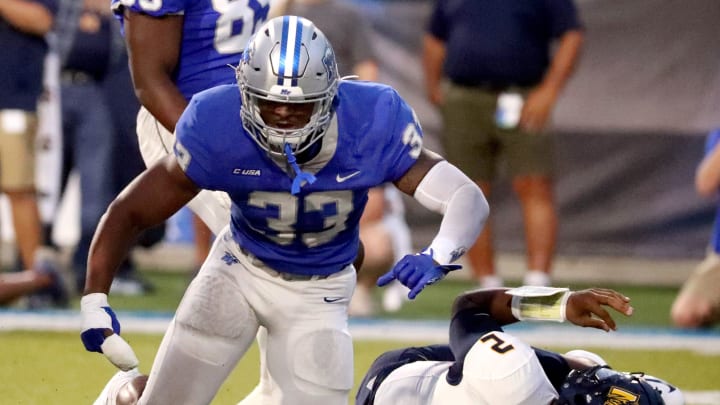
[[301, 177]]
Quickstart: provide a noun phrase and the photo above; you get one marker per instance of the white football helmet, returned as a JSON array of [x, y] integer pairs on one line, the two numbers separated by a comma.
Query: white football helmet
[[288, 60]]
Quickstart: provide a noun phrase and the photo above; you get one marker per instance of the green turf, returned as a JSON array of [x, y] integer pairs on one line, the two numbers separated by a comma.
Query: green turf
[[52, 368], [652, 304]]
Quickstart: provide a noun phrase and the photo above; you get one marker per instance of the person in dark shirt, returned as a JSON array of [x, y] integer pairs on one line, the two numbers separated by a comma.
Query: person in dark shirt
[[489, 67]]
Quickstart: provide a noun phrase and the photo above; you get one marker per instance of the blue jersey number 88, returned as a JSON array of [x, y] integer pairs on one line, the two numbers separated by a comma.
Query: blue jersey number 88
[[238, 20]]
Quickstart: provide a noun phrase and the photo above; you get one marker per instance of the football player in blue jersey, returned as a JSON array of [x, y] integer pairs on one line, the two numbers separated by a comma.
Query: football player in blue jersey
[[297, 150], [482, 364]]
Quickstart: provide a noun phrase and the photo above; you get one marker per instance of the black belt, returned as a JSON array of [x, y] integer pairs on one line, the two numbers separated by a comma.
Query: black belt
[[292, 276], [283, 275], [71, 76]]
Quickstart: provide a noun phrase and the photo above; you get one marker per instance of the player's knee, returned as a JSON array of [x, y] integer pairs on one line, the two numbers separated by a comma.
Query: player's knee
[[215, 306], [326, 369], [690, 316], [685, 320], [130, 393]]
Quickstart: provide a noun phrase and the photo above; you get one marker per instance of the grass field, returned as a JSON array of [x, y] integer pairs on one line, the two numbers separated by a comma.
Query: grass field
[[53, 368]]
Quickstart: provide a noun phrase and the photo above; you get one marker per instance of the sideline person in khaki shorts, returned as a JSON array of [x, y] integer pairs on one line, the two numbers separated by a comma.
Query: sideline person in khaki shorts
[[21, 70], [17, 149], [698, 303], [17, 178]]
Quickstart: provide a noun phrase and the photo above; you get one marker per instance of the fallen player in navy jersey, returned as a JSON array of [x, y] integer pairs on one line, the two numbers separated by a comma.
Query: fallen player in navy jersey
[[485, 365]]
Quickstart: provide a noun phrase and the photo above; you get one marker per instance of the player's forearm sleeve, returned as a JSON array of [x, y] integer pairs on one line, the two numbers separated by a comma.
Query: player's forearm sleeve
[[448, 191]]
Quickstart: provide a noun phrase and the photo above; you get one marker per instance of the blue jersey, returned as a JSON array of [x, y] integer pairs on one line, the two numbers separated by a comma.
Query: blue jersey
[[214, 35], [373, 138]]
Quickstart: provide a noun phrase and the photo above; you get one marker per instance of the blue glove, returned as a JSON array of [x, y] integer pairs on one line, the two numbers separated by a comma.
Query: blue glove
[[416, 272], [101, 332]]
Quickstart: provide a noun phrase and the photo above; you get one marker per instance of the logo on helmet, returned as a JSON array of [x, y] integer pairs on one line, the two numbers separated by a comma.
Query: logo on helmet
[[330, 64], [619, 396]]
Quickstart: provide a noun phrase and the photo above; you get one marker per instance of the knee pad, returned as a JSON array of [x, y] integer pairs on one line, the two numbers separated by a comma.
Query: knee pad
[[324, 361], [214, 304]]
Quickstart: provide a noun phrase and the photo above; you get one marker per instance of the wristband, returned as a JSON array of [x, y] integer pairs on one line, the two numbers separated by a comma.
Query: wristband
[[549, 306], [94, 300]]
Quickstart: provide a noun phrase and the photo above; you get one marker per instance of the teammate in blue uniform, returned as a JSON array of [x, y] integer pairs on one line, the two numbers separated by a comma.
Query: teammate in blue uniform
[[178, 48], [485, 365], [297, 150]]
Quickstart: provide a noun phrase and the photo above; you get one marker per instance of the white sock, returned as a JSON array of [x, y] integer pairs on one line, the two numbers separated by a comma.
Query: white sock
[[536, 278], [394, 296], [491, 281]]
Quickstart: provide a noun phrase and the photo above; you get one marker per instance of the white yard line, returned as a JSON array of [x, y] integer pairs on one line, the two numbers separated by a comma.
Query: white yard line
[[550, 335], [404, 330]]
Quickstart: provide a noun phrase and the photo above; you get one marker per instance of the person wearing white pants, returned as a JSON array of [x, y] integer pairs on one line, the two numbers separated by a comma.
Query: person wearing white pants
[[297, 149]]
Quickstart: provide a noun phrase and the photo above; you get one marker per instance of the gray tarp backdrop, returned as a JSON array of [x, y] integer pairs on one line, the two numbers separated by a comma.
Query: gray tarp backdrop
[[629, 128]]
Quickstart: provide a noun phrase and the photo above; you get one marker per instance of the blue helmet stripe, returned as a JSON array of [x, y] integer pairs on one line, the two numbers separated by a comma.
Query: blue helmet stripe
[[296, 57], [283, 49]]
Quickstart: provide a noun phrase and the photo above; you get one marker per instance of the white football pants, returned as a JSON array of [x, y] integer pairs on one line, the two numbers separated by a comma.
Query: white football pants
[[309, 349]]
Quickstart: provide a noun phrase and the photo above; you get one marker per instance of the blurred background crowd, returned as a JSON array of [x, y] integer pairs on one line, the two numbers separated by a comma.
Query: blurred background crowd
[[627, 123]]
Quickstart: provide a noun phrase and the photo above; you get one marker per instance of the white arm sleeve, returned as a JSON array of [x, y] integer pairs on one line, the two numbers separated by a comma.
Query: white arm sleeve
[[448, 191]]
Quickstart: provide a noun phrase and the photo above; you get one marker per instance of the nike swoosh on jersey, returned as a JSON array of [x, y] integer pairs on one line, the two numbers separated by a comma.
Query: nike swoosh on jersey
[[340, 178], [330, 300]]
